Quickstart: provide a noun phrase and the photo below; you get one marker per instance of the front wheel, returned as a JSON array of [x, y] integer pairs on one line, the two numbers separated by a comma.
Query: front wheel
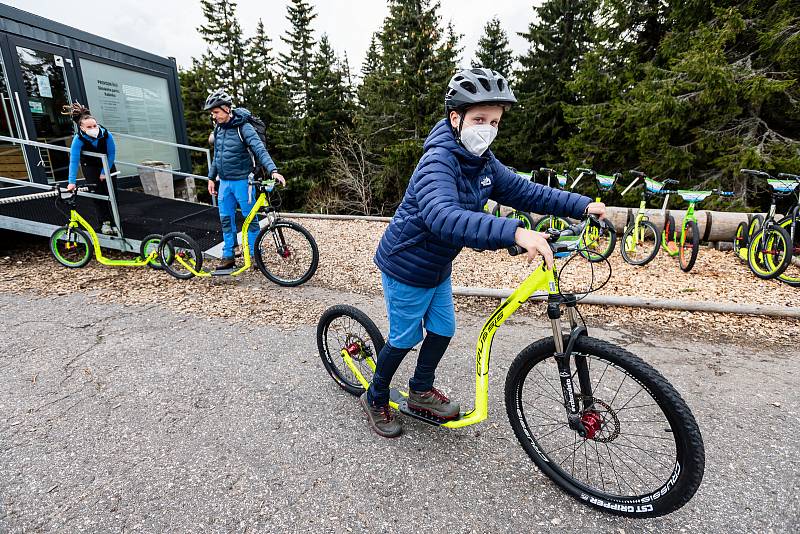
[[286, 253], [689, 246], [642, 454], [640, 243], [187, 258], [348, 328], [71, 247], [770, 252], [149, 245]]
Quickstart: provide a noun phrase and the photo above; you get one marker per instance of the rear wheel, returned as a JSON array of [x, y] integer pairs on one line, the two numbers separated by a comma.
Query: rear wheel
[[187, 258], [348, 328], [71, 247], [740, 240], [597, 243], [642, 454], [670, 236], [755, 225], [149, 245], [550, 221], [769, 253], [640, 244], [527, 220], [689, 246], [286, 253]]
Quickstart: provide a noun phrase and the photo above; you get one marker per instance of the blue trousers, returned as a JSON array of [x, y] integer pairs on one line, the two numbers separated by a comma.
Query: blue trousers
[[232, 193]]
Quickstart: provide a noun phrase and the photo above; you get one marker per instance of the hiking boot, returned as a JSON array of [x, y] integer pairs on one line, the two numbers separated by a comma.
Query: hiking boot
[[226, 264], [381, 419], [434, 403]]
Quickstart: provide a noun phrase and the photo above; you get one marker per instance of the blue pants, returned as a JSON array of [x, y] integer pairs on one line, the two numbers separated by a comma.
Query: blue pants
[[232, 193], [409, 309]]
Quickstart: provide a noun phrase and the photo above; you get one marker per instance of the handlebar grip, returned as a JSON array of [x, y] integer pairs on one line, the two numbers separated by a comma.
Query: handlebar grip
[[587, 171], [640, 174], [546, 169], [515, 250], [787, 176]]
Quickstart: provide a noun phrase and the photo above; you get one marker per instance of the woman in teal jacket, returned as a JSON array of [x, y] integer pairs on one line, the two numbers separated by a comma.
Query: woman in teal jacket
[[92, 137]]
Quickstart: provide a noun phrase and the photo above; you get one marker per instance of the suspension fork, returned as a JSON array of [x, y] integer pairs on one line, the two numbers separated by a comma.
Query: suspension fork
[[573, 406]]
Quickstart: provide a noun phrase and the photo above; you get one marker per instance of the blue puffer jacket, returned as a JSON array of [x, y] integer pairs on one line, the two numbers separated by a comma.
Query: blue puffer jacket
[[442, 210], [232, 160]]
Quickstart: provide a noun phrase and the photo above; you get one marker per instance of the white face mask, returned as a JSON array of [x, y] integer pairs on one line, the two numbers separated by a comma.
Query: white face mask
[[477, 139], [92, 132]]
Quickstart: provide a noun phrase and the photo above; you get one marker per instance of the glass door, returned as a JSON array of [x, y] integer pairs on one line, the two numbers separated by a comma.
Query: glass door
[[13, 163], [46, 76]]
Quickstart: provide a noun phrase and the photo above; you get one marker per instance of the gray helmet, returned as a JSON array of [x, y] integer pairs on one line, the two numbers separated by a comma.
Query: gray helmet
[[218, 98], [471, 87]]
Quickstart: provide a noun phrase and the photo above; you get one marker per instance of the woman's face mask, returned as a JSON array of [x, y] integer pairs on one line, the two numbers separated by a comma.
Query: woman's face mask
[[92, 132], [476, 139]]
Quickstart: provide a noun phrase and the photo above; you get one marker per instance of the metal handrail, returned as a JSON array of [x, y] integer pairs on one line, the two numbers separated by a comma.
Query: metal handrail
[[106, 170], [169, 143], [50, 187], [178, 173]]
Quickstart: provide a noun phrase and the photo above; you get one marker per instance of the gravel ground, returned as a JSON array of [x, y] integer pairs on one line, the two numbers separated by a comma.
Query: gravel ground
[[346, 251], [136, 417]]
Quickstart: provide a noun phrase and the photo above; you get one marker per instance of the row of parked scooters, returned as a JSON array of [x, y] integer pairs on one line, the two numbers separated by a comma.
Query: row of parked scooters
[[768, 243]]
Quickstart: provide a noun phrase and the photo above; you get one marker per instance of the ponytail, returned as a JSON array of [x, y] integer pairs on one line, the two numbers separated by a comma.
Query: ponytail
[[77, 111]]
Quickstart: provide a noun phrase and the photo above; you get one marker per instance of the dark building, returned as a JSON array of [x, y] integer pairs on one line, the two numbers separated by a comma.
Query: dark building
[[44, 65]]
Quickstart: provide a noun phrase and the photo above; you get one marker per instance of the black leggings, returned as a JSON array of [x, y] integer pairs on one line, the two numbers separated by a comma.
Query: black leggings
[[100, 187]]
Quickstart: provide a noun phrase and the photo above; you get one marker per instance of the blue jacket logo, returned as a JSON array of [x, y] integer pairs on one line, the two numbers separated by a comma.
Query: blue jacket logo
[[486, 181]]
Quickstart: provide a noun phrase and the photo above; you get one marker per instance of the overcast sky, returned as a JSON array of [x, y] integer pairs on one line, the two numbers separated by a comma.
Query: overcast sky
[[169, 27]]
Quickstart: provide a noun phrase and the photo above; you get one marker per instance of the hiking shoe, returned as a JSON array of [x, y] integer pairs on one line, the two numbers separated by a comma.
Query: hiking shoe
[[434, 403], [107, 229], [381, 419], [226, 264]]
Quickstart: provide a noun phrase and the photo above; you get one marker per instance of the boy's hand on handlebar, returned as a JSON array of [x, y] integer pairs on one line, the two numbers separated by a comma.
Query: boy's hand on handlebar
[[71, 187], [212, 190], [598, 209], [535, 244]]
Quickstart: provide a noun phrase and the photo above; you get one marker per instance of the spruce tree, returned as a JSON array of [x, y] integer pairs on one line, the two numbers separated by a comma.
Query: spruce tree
[[715, 97], [403, 93], [265, 93], [558, 41], [225, 55], [296, 63], [494, 51]]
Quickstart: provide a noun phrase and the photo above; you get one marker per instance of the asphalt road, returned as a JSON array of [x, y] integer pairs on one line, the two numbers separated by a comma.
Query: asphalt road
[[117, 418]]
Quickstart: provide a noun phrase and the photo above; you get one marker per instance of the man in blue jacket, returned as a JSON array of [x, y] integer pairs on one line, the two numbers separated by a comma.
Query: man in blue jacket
[[441, 212], [237, 151]]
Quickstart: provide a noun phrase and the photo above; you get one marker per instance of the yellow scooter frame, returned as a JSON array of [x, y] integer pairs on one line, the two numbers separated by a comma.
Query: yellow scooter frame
[[541, 279], [261, 202], [75, 220]]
